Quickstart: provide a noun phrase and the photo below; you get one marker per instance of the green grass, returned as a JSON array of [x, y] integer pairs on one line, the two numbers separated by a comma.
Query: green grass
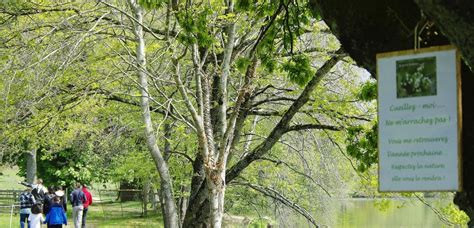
[[9, 180], [112, 214], [103, 215]]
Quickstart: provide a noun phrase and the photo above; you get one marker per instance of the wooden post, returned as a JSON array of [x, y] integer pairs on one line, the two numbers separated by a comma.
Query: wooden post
[[11, 216]]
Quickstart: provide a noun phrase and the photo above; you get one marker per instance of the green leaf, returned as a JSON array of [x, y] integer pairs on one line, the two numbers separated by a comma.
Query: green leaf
[[299, 69], [368, 91], [242, 63], [151, 4]]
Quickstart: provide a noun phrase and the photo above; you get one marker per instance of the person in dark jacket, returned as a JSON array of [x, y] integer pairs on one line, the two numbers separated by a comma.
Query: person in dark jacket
[[48, 200], [78, 198], [38, 190], [56, 216], [26, 201]]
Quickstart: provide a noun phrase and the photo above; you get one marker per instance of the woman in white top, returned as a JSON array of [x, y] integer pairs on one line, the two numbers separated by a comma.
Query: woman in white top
[[36, 216]]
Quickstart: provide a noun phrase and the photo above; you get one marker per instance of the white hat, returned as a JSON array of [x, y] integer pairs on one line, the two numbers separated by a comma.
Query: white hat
[[59, 193]]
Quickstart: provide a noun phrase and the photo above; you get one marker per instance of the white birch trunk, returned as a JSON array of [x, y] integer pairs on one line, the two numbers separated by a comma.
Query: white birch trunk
[[216, 174], [171, 213], [216, 184]]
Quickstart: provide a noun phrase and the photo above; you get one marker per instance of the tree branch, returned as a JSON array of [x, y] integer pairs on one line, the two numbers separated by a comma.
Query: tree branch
[[145, 28], [278, 162], [301, 127], [187, 157], [282, 126], [27, 12], [113, 97], [274, 194], [266, 28]]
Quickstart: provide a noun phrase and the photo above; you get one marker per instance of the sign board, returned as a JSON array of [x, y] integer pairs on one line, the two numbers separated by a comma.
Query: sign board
[[419, 114]]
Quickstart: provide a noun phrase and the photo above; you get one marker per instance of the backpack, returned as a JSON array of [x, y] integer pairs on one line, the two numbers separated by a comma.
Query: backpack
[[78, 197], [38, 193]]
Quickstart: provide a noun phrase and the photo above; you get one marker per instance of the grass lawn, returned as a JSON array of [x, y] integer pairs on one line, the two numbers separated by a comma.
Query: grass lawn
[[9, 180], [103, 215], [100, 214]]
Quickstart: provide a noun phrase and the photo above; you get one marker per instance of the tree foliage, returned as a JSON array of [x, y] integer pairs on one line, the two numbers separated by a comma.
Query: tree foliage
[[71, 89]]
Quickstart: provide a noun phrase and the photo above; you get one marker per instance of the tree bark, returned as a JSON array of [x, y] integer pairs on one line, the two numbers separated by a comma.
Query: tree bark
[[216, 183], [197, 213], [221, 118], [171, 214], [146, 197], [455, 20], [183, 203], [465, 198], [31, 166]]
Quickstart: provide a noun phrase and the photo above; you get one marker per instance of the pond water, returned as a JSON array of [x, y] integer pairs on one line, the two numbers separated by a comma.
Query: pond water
[[359, 213], [355, 213]]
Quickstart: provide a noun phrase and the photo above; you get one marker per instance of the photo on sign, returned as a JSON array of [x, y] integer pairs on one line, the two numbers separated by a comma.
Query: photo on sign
[[416, 77]]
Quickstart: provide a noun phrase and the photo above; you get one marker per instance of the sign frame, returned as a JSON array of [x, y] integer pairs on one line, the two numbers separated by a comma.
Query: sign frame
[[458, 104]]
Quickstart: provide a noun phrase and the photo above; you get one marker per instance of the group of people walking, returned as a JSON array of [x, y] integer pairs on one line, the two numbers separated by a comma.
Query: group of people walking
[[38, 200]]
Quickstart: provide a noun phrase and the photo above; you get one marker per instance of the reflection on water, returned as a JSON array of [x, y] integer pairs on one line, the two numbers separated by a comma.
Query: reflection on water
[[355, 213]]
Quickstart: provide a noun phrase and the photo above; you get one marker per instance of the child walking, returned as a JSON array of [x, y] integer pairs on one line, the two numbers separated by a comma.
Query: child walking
[[56, 216], [36, 216]]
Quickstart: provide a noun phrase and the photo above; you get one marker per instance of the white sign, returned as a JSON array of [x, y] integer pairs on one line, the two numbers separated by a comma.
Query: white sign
[[419, 120]]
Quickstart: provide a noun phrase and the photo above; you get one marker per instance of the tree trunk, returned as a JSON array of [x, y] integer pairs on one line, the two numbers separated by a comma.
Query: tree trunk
[[146, 197], [465, 198], [31, 166], [183, 203], [201, 208], [216, 184], [197, 212], [155, 199], [454, 19], [215, 169], [170, 213], [166, 222]]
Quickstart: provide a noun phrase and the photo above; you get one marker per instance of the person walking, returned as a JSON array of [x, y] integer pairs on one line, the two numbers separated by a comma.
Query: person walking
[[38, 190], [36, 216], [86, 204], [48, 200], [26, 202], [77, 200], [56, 216], [58, 191]]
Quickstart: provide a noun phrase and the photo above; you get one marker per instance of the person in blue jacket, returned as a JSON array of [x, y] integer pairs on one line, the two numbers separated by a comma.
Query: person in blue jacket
[[56, 216]]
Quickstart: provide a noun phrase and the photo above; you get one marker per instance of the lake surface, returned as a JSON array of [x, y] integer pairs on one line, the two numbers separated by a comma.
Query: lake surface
[[361, 213], [355, 213]]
